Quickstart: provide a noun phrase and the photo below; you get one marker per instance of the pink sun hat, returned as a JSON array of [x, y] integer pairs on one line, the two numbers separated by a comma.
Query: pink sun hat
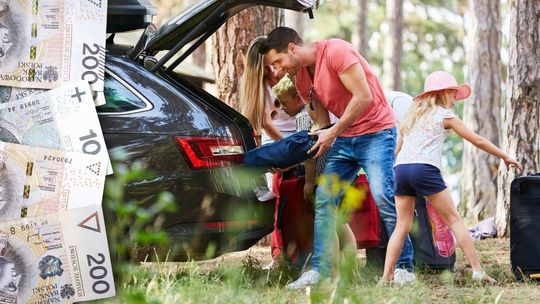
[[440, 80]]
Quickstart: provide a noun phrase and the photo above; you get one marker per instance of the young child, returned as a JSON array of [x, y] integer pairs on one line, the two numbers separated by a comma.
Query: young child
[[306, 119], [417, 168], [310, 117]]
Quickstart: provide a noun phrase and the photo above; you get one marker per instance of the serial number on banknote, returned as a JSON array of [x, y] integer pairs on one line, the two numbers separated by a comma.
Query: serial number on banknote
[[28, 226], [58, 159], [25, 105]]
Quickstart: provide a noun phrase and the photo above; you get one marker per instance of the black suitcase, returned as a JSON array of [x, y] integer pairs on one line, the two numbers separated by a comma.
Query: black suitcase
[[525, 226], [425, 253]]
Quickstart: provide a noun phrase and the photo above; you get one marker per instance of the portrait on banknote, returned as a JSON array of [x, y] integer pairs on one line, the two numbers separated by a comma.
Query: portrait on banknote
[[12, 39]]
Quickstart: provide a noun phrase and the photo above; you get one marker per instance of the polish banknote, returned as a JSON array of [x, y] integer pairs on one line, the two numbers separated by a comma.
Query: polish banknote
[[64, 118], [8, 94], [36, 181], [49, 42], [56, 258]]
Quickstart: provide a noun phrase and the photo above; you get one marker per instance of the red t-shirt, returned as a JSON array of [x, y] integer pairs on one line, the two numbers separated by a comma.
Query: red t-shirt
[[333, 57]]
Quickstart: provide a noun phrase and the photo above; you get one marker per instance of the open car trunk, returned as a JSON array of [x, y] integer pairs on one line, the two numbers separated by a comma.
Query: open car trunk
[[196, 23]]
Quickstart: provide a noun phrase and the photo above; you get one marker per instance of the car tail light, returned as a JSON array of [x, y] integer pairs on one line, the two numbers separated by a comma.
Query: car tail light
[[209, 152]]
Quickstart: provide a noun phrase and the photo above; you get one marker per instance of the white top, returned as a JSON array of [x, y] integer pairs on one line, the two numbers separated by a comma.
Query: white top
[[424, 143], [400, 103], [282, 121]]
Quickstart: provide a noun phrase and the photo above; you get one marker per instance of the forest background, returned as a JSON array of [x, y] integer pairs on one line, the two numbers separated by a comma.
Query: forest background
[[481, 42]]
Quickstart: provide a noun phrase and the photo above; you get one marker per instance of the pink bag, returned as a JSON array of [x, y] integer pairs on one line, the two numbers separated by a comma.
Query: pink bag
[[442, 235]]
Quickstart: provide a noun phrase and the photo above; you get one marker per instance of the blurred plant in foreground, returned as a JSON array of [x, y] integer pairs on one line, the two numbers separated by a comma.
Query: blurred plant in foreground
[[130, 225]]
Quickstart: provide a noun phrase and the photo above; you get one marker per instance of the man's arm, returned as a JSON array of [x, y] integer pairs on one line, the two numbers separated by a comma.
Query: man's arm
[[354, 80]]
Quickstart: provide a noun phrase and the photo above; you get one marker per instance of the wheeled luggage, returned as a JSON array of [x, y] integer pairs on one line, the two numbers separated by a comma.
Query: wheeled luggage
[[364, 221], [525, 226], [295, 218], [368, 228], [426, 254]]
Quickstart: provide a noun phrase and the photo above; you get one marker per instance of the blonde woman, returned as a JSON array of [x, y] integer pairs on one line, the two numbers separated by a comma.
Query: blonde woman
[[268, 121], [257, 101]]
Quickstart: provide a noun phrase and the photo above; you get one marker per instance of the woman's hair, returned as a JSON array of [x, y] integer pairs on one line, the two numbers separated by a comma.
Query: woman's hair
[[423, 108], [284, 87], [253, 87]]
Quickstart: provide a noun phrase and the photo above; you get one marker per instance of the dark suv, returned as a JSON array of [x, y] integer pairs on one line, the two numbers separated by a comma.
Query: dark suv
[[189, 139]]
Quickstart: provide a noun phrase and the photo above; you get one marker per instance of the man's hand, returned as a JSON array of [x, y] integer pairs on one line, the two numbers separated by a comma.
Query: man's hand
[[324, 142]]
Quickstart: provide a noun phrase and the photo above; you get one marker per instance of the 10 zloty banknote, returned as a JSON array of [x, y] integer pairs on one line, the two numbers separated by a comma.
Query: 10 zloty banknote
[[49, 42], [56, 258], [64, 118], [35, 181]]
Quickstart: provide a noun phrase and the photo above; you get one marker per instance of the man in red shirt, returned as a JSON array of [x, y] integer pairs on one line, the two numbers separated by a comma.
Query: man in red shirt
[[335, 74]]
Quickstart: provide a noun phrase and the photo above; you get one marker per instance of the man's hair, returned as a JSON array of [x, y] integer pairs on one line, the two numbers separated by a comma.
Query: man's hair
[[278, 39], [285, 86]]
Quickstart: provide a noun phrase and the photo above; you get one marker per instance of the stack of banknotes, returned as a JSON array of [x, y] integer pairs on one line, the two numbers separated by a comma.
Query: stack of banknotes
[[53, 158]]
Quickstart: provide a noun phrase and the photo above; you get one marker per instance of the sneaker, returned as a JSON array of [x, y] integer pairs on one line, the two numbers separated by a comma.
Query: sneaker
[[311, 277], [482, 277], [402, 276], [263, 194], [271, 265]]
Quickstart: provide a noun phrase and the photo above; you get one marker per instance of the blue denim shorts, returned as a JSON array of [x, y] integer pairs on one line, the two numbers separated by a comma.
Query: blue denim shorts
[[418, 180]]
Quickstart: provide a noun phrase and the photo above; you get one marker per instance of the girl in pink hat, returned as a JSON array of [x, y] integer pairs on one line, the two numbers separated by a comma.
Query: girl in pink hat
[[418, 166]]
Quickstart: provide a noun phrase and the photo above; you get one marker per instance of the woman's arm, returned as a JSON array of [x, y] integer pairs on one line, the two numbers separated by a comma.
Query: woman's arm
[[398, 145], [270, 128], [480, 142]]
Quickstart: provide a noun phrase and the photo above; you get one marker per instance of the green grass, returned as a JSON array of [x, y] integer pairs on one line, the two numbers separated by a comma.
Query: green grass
[[238, 278]]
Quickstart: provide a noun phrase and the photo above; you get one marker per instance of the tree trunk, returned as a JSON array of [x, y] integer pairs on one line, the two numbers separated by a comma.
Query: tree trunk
[[522, 137], [362, 28], [393, 45], [230, 44], [481, 112]]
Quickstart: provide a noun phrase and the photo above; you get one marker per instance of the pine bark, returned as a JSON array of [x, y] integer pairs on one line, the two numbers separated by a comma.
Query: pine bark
[[362, 28], [521, 140], [230, 44], [482, 110], [393, 45]]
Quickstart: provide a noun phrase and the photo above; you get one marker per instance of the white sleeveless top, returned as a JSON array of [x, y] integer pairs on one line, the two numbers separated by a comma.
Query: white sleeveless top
[[425, 141], [282, 121]]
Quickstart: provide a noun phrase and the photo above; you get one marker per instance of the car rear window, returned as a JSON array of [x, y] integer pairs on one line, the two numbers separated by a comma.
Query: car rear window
[[118, 97]]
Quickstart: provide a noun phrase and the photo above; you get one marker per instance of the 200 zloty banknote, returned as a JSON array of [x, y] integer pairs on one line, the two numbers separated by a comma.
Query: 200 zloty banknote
[[49, 42], [56, 258]]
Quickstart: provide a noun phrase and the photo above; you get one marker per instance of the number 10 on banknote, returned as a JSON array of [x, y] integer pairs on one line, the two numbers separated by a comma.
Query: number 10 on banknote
[[49, 42]]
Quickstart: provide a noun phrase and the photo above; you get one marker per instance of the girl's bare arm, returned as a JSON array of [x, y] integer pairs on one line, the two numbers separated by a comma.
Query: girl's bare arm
[[480, 142]]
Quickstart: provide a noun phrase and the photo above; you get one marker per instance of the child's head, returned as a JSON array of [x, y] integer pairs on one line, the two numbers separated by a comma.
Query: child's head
[[287, 96], [440, 89]]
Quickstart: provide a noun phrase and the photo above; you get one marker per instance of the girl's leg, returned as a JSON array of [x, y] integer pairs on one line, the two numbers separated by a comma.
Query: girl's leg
[[443, 203], [405, 216], [347, 241]]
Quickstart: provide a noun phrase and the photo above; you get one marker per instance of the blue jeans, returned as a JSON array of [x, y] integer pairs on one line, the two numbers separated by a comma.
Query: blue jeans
[[375, 154]]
